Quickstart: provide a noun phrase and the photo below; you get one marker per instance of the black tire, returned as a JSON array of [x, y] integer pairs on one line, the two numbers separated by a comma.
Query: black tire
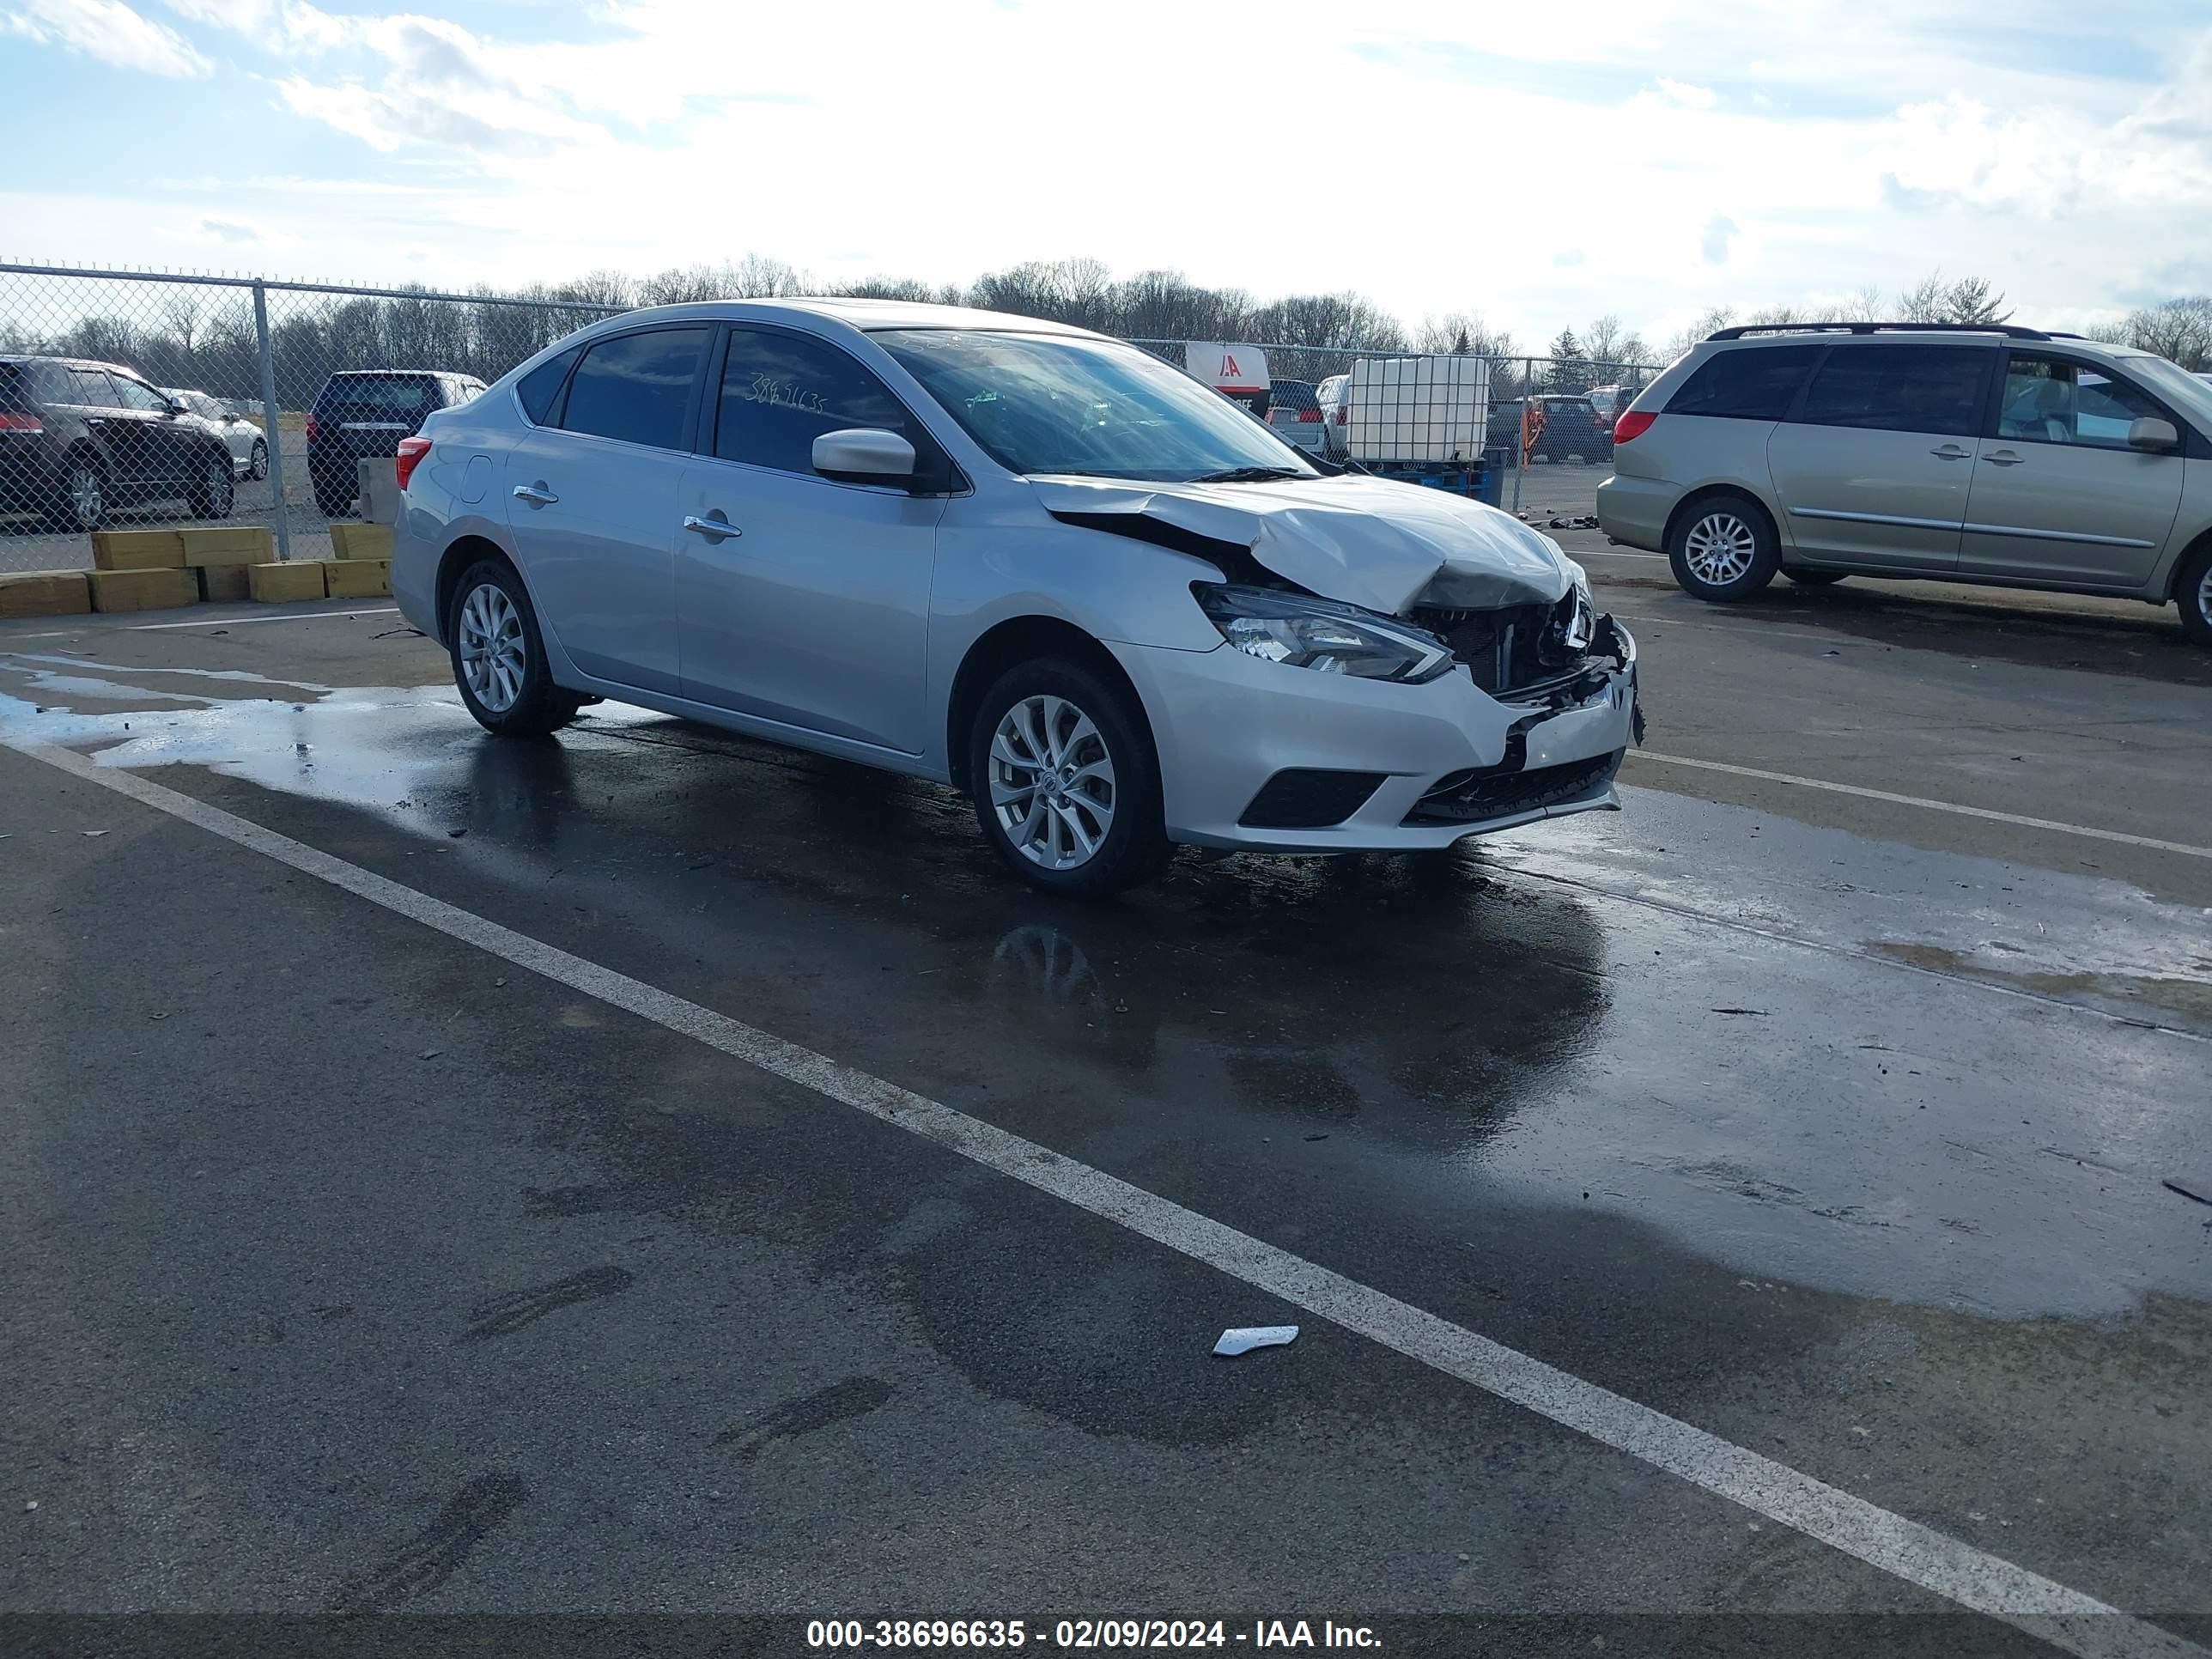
[[2193, 591], [539, 705], [257, 466], [215, 492], [67, 511], [1727, 532], [1815, 577], [1135, 847]]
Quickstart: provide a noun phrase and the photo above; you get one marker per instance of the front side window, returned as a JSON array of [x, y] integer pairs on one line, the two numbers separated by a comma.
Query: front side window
[[1901, 388], [781, 392], [1043, 404], [637, 387], [1753, 383], [2050, 400], [142, 398]]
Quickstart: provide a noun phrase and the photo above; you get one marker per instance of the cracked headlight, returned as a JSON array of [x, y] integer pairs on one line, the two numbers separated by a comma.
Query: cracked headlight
[[1322, 635]]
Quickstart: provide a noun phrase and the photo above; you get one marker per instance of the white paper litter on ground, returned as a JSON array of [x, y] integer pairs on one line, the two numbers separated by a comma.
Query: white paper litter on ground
[[1243, 1339]]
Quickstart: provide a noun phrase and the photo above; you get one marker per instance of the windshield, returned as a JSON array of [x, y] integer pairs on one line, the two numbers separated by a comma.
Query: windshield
[[1039, 403], [2177, 385]]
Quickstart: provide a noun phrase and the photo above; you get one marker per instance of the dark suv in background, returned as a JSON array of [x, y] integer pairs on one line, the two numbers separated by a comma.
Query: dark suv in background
[[79, 439], [362, 414]]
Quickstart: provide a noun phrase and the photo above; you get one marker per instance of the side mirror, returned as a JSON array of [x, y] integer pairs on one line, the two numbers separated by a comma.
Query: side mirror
[[863, 454], [2153, 434], [178, 406]]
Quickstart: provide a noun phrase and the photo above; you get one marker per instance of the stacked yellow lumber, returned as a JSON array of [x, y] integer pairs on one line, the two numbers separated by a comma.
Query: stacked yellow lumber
[[283, 583], [158, 589], [357, 578], [137, 550], [229, 543], [361, 541], [44, 593]]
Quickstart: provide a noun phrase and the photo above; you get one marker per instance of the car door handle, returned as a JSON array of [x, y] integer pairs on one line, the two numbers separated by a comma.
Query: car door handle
[[537, 494], [1950, 453], [2004, 458], [718, 528]]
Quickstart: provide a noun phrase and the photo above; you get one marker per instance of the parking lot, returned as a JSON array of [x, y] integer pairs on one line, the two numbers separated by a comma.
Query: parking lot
[[646, 1172]]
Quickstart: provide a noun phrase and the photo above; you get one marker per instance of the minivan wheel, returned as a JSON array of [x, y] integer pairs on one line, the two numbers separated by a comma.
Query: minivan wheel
[[1065, 781], [499, 656], [212, 496], [1722, 549], [2194, 592]]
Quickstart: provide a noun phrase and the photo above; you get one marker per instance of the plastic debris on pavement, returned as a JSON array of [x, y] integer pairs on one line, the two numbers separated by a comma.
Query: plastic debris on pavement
[[1243, 1339]]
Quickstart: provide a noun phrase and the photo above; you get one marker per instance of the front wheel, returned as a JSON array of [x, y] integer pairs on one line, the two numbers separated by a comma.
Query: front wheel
[[1722, 549], [499, 656], [257, 467], [1066, 781], [215, 490], [2194, 592]]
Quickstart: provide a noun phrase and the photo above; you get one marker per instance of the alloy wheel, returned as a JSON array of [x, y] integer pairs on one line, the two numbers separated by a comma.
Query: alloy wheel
[[1719, 549], [2204, 595], [221, 486], [493, 654], [1052, 782], [87, 495]]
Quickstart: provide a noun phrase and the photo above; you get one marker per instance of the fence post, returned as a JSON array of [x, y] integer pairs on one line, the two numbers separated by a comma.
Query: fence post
[[1520, 454], [281, 512]]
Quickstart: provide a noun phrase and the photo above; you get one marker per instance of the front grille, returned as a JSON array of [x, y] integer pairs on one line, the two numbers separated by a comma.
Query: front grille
[[1481, 792], [1511, 648], [1301, 799]]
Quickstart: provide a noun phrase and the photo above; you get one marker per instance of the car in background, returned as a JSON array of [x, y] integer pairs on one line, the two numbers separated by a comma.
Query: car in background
[[362, 414], [1572, 429], [1295, 413], [1334, 395], [249, 450], [1606, 403], [80, 438], [1022, 559], [1992, 454]]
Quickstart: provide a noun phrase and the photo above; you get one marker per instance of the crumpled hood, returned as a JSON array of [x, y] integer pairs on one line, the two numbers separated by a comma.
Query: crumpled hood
[[1364, 541]]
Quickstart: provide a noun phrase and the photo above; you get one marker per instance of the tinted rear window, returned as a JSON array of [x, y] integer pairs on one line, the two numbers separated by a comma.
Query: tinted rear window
[[1756, 384], [1901, 388], [539, 388], [637, 387], [398, 394]]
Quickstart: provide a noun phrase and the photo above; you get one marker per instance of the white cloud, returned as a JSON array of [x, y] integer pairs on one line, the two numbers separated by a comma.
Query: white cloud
[[1688, 96], [226, 230], [1714, 245], [108, 30]]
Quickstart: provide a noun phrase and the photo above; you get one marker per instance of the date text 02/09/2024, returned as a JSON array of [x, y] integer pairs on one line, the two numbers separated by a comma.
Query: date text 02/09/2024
[[1084, 1633]]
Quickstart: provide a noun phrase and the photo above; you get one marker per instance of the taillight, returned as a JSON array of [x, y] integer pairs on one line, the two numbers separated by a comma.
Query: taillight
[[1309, 417], [314, 429], [411, 451], [19, 422], [1633, 423]]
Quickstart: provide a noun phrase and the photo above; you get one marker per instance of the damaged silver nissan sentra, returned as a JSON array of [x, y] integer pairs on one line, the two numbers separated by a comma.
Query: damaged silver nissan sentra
[[1023, 559]]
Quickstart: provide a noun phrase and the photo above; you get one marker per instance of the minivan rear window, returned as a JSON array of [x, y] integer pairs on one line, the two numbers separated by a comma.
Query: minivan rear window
[[1751, 383], [1901, 388]]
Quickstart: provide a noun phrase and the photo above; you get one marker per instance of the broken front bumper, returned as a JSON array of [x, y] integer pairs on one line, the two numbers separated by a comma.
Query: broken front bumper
[[1258, 755]]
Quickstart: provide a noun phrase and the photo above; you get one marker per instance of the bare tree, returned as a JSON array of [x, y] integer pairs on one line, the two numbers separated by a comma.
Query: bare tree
[[1464, 333], [1713, 319], [2179, 330], [1924, 301], [183, 312], [1969, 300]]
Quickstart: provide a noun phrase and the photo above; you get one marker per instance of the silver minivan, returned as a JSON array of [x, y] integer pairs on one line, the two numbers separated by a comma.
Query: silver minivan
[[1999, 454]]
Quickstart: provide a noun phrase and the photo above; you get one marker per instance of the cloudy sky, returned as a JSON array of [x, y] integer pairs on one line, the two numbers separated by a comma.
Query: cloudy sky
[[1535, 163]]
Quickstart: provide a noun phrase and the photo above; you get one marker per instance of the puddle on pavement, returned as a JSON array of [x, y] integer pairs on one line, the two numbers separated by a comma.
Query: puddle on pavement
[[1432, 1036], [2159, 999]]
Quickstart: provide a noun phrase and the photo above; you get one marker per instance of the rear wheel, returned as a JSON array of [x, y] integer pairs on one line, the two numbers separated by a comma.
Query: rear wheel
[[1722, 549], [213, 493], [1066, 780], [80, 503], [499, 656], [2194, 592], [257, 467]]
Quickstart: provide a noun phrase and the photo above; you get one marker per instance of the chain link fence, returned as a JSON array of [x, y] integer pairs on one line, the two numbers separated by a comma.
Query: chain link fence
[[141, 399]]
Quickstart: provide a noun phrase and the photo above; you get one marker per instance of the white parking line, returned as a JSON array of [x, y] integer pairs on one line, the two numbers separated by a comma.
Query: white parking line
[[1973, 1579], [1952, 807], [233, 622]]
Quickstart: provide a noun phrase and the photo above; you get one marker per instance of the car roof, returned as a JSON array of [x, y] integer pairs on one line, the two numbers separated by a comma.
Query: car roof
[[867, 315], [66, 363]]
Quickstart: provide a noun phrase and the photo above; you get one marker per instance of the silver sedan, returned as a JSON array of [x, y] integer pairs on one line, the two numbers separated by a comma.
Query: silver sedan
[[1022, 559]]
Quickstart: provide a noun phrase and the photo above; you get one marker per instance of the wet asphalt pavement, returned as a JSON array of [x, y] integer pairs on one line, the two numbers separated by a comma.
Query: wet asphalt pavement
[[349, 1267]]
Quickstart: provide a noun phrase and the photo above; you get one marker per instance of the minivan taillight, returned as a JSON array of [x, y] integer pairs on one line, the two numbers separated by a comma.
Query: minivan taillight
[[10, 421], [314, 429], [411, 451], [1309, 417], [1633, 423]]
